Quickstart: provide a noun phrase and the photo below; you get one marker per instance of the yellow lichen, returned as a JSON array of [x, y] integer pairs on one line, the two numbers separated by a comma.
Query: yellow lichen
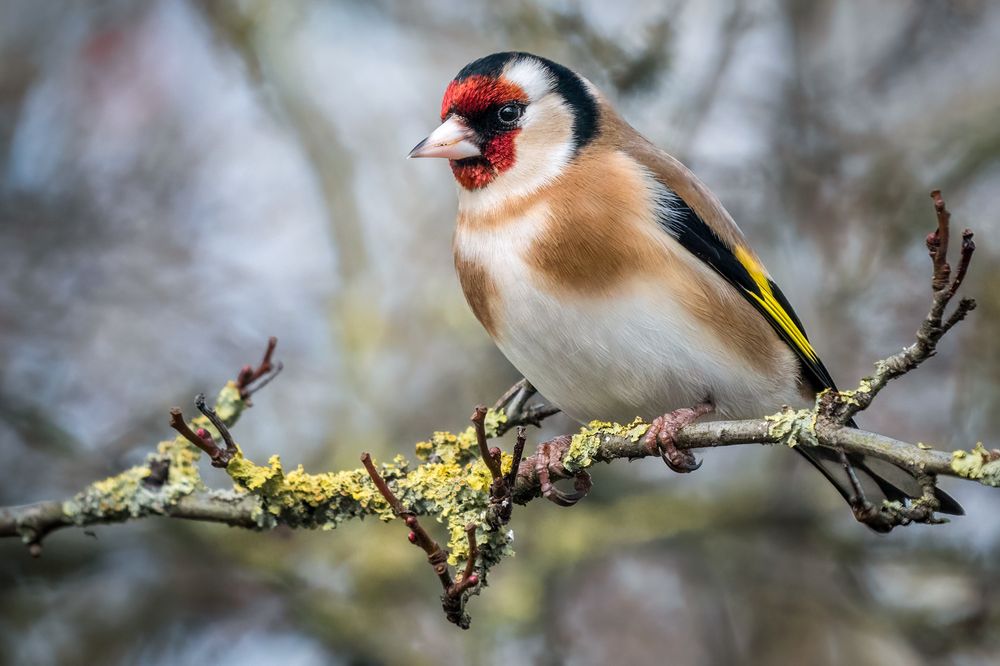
[[585, 444], [135, 492], [311, 500], [229, 404], [979, 464], [442, 489], [451, 486], [450, 448], [794, 427], [251, 476], [849, 396]]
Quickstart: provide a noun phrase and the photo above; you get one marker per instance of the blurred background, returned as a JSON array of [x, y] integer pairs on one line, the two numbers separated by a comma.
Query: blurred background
[[180, 179]]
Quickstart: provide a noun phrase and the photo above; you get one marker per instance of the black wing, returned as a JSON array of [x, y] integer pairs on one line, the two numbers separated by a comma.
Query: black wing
[[745, 273]]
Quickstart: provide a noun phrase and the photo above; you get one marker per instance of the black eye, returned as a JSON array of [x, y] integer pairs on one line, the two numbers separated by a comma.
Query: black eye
[[508, 114]]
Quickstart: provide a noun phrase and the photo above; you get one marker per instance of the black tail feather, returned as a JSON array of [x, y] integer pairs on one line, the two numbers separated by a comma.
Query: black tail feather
[[900, 486]]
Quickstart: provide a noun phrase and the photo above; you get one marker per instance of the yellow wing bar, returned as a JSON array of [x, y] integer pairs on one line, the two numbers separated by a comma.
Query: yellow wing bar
[[765, 297], [738, 266]]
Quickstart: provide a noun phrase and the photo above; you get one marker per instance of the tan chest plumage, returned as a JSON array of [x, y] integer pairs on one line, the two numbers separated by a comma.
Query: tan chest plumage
[[605, 313]]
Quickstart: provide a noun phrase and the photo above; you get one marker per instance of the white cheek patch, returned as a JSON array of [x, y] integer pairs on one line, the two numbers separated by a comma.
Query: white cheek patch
[[532, 77], [543, 148]]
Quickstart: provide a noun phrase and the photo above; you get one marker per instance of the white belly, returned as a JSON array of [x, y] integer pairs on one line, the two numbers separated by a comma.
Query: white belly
[[637, 354]]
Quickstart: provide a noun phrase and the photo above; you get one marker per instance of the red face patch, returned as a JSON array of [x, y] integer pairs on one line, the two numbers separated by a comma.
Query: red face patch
[[470, 98], [498, 156], [476, 94]]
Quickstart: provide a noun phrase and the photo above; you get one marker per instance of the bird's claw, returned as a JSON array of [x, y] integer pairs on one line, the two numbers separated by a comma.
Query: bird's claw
[[662, 433], [545, 460]]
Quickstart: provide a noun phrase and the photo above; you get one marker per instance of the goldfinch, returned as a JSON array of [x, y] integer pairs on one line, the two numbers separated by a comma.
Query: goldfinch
[[610, 276]]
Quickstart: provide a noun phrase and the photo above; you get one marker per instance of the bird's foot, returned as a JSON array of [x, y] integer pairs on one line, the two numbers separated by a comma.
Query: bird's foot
[[662, 433], [548, 460]]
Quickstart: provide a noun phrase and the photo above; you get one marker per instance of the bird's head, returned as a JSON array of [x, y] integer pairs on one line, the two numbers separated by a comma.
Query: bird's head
[[511, 122]]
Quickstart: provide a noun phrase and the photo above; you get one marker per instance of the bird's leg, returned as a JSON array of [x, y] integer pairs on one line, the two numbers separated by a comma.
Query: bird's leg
[[660, 438]]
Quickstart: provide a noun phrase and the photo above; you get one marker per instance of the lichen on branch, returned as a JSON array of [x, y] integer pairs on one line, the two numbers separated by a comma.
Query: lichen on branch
[[450, 483], [979, 464], [150, 489], [456, 479], [156, 487]]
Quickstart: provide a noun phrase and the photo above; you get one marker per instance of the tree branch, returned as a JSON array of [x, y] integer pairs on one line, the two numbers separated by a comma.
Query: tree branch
[[469, 486], [35, 521]]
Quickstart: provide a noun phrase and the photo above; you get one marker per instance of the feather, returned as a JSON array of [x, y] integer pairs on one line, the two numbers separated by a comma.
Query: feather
[[696, 219], [742, 270]]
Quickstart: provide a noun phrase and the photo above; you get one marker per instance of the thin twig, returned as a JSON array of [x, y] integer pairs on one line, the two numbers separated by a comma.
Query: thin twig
[[505, 400], [201, 439], [453, 598], [842, 408], [937, 243], [965, 306], [478, 419], [469, 578], [383, 487], [418, 535], [265, 371], [518, 454], [517, 412], [501, 505], [247, 392], [968, 248], [213, 417], [535, 414]]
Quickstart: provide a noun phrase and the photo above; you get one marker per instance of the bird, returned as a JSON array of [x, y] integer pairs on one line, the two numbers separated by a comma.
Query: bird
[[613, 279]]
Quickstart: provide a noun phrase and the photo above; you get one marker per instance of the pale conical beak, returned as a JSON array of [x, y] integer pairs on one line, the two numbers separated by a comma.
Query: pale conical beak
[[452, 140]]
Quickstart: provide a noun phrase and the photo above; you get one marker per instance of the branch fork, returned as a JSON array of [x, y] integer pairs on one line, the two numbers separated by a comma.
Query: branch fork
[[501, 503], [514, 402], [251, 379], [836, 409], [454, 596], [154, 489]]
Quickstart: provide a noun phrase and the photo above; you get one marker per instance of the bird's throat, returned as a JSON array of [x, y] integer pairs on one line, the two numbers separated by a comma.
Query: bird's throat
[[473, 173]]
